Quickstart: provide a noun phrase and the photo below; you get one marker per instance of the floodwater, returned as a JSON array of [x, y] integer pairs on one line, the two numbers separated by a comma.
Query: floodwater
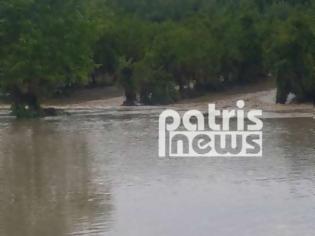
[[97, 173]]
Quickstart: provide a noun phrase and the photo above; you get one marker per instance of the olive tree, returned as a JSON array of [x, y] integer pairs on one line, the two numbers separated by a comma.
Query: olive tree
[[44, 44]]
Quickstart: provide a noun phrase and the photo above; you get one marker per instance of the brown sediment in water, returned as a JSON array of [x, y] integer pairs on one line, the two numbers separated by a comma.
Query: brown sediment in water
[[259, 96], [264, 100], [256, 96]]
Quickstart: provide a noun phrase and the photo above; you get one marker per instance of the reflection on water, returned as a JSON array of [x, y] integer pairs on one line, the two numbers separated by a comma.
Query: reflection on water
[[47, 183], [99, 175]]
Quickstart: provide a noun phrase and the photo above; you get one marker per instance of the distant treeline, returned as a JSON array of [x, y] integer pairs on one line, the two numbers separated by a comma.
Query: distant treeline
[[158, 51]]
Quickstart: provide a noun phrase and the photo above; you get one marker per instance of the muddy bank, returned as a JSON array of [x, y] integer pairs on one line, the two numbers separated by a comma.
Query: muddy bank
[[264, 100], [258, 96]]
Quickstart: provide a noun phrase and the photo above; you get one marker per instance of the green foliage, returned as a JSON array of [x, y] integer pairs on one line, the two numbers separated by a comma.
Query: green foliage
[[290, 53], [195, 46], [158, 51], [45, 44], [154, 84]]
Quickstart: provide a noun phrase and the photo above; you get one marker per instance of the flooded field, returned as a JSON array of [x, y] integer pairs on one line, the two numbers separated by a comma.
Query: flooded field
[[98, 173]]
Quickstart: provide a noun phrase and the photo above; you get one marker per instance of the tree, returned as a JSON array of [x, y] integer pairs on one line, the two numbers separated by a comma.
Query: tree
[[291, 56], [44, 44], [132, 37]]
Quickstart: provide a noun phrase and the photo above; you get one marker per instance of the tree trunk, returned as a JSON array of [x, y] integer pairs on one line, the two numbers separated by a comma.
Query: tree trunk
[[282, 90], [129, 87], [131, 97], [25, 104]]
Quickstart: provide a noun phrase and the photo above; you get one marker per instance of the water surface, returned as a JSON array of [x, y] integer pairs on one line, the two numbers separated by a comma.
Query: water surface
[[98, 174]]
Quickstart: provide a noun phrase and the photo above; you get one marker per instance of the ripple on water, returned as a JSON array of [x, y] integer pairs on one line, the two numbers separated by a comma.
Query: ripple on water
[[97, 173]]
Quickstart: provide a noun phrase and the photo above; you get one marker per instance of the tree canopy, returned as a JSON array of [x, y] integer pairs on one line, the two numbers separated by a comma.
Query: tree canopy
[[158, 51], [44, 44]]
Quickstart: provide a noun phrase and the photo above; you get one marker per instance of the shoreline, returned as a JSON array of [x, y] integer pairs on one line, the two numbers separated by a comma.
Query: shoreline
[[263, 100], [256, 96]]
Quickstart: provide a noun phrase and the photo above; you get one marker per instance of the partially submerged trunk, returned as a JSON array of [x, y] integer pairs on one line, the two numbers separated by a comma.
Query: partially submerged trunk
[[131, 98], [129, 87], [283, 88], [27, 105]]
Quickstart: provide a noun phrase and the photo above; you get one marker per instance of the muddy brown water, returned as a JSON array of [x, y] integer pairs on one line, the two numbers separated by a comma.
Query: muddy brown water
[[97, 173]]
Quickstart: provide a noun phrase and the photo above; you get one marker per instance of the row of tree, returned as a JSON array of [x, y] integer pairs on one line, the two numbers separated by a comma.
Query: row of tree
[[158, 51]]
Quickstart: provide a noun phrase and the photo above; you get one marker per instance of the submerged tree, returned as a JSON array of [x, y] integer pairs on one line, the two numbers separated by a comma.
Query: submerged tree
[[291, 54], [158, 51], [44, 44], [132, 37]]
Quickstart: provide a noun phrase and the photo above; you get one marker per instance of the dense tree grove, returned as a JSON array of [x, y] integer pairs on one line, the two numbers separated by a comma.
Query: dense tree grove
[[45, 44], [157, 51]]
